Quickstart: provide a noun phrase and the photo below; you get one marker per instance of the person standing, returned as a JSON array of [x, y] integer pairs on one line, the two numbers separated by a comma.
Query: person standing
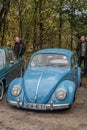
[[19, 47], [82, 53]]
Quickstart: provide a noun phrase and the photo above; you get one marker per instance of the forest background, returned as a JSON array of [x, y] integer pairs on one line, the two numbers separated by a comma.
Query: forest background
[[43, 23]]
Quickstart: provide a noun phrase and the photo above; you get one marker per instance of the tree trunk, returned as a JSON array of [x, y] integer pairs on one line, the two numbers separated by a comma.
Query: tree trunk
[[35, 25], [3, 32], [40, 25], [3, 11], [71, 38], [60, 24], [3, 14], [20, 24], [60, 29]]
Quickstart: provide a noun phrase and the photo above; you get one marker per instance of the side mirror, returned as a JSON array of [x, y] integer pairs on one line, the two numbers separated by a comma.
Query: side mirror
[[11, 62]]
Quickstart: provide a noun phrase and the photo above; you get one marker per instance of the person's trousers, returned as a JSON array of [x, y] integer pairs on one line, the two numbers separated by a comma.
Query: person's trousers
[[83, 59]]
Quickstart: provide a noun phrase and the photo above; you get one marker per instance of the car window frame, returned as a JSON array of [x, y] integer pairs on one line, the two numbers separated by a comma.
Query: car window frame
[[4, 57], [13, 56], [74, 59], [29, 64], [9, 58]]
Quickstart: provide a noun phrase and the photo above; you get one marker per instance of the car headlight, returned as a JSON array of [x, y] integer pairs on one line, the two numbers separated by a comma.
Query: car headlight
[[61, 94], [16, 90]]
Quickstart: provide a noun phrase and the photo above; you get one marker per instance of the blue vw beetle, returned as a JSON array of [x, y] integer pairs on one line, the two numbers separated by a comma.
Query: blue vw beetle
[[49, 83], [10, 68]]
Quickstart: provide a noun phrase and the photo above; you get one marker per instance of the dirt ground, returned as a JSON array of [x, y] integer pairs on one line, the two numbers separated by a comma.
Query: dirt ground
[[73, 119]]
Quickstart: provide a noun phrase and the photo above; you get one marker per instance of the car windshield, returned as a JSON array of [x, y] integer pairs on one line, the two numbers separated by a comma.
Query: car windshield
[[58, 60], [1, 58]]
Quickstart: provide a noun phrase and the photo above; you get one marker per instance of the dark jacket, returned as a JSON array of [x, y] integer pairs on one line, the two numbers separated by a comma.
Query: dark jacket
[[19, 49], [79, 49]]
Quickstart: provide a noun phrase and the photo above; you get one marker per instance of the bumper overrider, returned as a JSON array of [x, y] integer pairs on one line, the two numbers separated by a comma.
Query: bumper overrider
[[34, 106]]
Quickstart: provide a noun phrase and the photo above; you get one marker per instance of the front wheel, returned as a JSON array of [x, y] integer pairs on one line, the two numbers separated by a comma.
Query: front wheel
[[1, 91]]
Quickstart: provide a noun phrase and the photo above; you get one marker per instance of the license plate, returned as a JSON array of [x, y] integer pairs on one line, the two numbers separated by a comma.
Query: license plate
[[35, 106]]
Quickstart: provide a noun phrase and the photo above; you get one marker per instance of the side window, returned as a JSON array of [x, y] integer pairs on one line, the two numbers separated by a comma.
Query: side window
[[14, 56], [7, 57], [2, 58], [10, 56], [73, 61]]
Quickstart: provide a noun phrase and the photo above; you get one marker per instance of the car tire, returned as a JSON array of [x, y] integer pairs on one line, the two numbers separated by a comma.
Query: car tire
[[1, 91]]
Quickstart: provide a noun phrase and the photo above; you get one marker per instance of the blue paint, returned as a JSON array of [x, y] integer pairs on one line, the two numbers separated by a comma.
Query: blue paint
[[39, 84]]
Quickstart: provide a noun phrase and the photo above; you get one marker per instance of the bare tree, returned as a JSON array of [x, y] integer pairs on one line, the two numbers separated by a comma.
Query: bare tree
[[4, 8]]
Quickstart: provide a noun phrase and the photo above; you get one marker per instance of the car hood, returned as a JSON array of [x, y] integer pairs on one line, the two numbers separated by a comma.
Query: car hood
[[40, 83]]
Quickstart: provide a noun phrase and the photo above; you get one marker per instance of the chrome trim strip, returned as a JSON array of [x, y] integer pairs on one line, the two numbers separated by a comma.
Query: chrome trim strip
[[48, 106], [57, 107], [36, 95]]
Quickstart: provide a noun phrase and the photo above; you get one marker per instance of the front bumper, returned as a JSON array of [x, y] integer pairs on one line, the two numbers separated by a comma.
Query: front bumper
[[34, 106]]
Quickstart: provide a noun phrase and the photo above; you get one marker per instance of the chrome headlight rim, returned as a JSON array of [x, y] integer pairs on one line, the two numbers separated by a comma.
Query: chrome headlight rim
[[61, 94], [16, 90]]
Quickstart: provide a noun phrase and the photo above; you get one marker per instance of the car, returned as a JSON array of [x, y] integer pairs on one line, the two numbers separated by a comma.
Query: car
[[50, 81], [10, 68]]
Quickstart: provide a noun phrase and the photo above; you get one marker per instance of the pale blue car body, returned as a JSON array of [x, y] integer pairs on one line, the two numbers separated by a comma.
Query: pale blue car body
[[39, 84]]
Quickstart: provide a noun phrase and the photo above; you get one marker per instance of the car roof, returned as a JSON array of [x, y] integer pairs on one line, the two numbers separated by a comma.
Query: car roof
[[66, 52], [4, 48]]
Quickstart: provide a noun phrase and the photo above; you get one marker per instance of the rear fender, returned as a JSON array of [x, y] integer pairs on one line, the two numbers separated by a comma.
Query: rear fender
[[79, 76]]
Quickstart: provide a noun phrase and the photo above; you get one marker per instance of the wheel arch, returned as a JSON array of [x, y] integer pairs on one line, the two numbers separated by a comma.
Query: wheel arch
[[79, 77], [3, 82]]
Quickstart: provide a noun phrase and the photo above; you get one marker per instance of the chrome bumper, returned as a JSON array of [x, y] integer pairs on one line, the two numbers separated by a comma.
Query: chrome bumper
[[17, 104], [39, 106]]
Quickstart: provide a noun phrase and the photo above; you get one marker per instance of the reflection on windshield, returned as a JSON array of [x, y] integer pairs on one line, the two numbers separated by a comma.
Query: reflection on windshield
[[1, 58], [57, 60]]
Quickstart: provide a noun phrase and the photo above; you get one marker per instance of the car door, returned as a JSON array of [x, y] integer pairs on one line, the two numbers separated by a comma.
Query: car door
[[4, 72], [7, 73], [13, 66], [74, 70], [16, 65]]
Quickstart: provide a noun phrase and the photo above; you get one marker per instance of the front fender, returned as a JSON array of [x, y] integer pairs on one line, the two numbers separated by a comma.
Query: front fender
[[70, 88], [18, 81]]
